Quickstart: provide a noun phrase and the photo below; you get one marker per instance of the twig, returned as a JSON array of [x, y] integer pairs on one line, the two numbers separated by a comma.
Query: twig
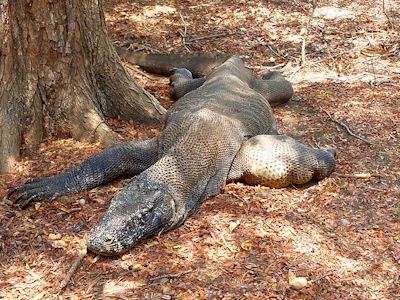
[[330, 57], [226, 244], [91, 286], [301, 6], [183, 34], [345, 126], [144, 25], [244, 201], [73, 268], [318, 61], [262, 68], [319, 278], [336, 64], [138, 71], [273, 51], [358, 175], [373, 82], [295, 71], [273, 229], [277, 52], [387, 16], [305, 30], [375, 189], [170, 275], [94, 130], [244, 275], [379, 53]]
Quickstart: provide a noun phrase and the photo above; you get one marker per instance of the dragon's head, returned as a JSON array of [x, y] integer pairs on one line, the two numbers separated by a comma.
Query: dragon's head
[[140, 210]]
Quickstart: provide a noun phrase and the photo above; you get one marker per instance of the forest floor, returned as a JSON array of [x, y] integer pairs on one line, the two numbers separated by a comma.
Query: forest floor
[[341, 234]]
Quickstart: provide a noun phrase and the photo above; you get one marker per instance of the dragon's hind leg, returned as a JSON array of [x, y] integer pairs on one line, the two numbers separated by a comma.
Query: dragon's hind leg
[[278, 161], [274, 87]]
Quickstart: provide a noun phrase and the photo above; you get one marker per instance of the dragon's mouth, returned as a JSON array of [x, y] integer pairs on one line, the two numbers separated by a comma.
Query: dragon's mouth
[[106, 247], [110, 237]]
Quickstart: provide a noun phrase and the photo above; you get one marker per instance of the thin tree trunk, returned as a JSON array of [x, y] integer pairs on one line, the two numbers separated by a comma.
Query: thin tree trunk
[[61, 76]]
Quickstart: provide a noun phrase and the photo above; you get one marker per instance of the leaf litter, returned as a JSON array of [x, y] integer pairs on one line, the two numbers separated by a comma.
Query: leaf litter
[[336, 239]]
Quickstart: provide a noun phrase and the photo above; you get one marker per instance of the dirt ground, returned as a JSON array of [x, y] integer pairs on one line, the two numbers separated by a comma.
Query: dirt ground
[[341, 234]]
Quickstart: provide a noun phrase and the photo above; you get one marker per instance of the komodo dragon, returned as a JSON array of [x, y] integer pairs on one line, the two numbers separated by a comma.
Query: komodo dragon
[[224, 130]]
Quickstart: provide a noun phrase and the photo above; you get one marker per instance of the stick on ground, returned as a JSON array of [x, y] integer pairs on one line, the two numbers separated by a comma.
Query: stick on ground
[[170, 275], [345, 126], [358, 175], [73, 268]]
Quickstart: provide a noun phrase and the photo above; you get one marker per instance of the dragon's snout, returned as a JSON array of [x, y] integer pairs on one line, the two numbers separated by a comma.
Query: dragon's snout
[[137, 212]]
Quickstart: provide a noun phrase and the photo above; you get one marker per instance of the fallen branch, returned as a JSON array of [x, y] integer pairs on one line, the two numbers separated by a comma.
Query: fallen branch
[[345, 126], [358, 175], [73, 268], [170, 275]]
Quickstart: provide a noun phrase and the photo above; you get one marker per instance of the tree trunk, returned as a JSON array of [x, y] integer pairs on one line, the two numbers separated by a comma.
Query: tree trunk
[[61, 76]]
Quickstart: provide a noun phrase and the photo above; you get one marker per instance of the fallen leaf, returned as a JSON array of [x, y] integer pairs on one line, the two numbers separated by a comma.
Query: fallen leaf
[[59, 244], [54, 237], [261, 234], [64, 209], [246, 246], [136, 267], [233, 225], [270, 279], [166, 290], [152, 243]]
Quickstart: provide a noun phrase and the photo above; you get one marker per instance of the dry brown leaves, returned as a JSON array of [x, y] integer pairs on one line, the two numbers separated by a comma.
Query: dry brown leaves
[[338, 239]]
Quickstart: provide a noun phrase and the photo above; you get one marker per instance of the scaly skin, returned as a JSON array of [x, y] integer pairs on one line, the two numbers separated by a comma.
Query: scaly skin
[[191, 160]]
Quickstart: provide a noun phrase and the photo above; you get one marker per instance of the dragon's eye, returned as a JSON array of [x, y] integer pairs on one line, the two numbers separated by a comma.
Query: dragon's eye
[[146, 218]]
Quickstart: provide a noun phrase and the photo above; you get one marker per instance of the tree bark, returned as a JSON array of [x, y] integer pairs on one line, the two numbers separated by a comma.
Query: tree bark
[[60, 76]]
